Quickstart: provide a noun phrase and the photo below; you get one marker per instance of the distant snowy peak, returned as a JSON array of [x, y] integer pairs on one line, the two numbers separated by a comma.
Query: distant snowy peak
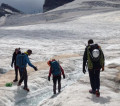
[[6, 9], [51, 4]]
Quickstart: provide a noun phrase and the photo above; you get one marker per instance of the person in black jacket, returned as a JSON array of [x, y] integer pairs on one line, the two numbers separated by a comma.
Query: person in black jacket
[[17, 51], [94, 67]]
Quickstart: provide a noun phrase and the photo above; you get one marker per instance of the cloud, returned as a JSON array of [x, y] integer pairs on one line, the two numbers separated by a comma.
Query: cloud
[[27, 6]]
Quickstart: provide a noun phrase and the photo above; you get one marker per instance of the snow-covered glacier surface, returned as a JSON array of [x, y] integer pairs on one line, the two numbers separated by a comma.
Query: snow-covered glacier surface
[[60, 36]]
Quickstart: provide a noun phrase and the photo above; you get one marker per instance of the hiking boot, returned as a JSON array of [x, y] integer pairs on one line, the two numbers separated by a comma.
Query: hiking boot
[[54, 92], [97, 93], [19, 84], [92, 92], [15, 80], [27, 89], [59, 90]]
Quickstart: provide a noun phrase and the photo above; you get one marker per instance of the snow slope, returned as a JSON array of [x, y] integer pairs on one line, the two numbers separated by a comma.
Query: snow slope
[[66, 13], [63, 34]]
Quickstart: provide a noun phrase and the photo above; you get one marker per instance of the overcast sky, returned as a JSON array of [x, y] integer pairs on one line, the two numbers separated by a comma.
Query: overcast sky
[[27, 6]]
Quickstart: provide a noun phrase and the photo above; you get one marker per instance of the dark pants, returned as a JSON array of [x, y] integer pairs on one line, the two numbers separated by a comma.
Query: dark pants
[[16, 72], [24, 77], [94, 79], [55, 79]]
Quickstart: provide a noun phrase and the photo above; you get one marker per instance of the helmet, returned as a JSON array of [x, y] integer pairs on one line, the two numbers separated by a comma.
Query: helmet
[[49, 62], [29, 51], [95, 53]]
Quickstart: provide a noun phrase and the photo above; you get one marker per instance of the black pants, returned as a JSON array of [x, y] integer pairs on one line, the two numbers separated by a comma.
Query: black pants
[[94, 79], [16, 72], [55, 79], [24, 77]]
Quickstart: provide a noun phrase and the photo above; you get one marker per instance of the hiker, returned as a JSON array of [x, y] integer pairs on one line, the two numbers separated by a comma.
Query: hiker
[[56, 70], [94, 59], [22, 61], [16, 52]]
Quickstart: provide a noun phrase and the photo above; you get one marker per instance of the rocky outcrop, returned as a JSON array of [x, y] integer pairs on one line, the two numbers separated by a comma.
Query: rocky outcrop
[[51, 4], [6, 9]]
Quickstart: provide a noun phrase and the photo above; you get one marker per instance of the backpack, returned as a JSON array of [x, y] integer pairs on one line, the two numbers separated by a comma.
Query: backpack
[[95, 52], [21, 60], [55, 68]]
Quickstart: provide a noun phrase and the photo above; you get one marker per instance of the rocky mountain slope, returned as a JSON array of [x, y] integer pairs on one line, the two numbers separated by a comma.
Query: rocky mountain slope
[[6, 9], [51, 4]]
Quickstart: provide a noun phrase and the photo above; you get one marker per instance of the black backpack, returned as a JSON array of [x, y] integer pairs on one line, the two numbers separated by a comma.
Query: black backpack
[[95, 52]]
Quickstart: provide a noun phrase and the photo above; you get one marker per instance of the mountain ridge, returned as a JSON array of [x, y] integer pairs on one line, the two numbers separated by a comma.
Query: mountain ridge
[[6, 9], [52, 4]]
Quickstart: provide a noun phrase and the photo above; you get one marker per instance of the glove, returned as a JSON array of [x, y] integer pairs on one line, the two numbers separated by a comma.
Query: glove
[[11, 65], [84, 71], [48, 78], [35, 68], [64, 76], [102, 68]]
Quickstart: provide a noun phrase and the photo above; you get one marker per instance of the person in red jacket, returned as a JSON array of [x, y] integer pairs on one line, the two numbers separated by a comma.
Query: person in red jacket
[[56, 70]]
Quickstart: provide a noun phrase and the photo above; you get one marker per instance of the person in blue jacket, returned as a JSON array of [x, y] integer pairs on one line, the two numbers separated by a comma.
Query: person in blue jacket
[[24, 70]]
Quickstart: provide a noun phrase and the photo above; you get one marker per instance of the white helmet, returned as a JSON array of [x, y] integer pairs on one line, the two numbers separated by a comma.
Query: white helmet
[[95, 53]]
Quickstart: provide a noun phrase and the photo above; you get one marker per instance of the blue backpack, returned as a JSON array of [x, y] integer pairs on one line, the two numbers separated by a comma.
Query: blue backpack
[[21, 61], [55, 68]]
